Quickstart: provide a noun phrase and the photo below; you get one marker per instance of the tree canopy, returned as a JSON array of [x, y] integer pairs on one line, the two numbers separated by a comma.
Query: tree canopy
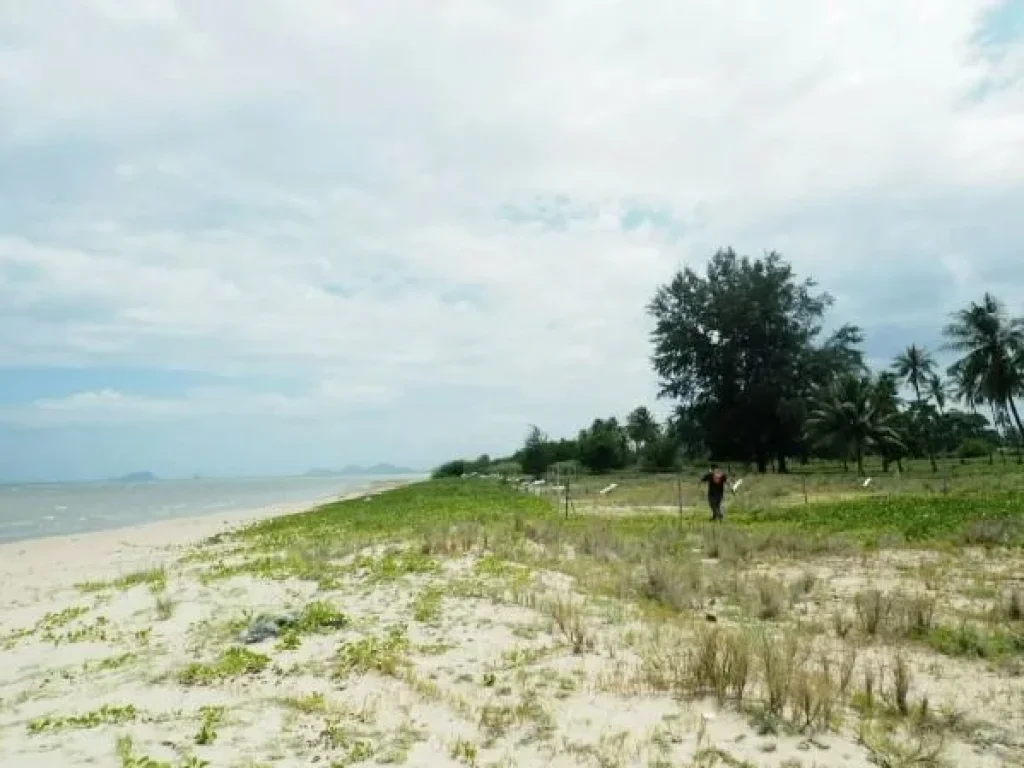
[[743, 357], [739, 348]]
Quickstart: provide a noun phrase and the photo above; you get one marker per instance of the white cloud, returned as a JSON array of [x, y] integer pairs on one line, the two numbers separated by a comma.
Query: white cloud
[[314, 188], [108, 405]]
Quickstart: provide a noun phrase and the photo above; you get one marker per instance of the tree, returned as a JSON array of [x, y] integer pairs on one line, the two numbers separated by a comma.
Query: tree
[[991, 348], [661, 454], [915, 366], [938, 390], [736, 349], [535, 456], [886, 400], [602, 447], [641, 428], [685, 430], [455, 468], [850, 414]]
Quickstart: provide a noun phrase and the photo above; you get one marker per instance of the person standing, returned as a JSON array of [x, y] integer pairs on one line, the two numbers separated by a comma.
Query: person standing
[[716, 480]]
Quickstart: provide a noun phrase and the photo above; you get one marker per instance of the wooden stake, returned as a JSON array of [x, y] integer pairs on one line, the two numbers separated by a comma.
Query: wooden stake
[[566, 496], [679, 494]]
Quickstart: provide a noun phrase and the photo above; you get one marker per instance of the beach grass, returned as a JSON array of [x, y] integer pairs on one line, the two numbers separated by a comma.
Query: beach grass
[[883, 624]]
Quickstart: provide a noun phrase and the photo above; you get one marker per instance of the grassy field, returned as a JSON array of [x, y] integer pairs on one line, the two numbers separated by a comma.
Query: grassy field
[[469, 622], [803, 484], [891, 616]]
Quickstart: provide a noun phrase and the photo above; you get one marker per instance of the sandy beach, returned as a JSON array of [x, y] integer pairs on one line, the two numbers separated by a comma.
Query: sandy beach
[[137, 648], [34, 566], [43, 577]]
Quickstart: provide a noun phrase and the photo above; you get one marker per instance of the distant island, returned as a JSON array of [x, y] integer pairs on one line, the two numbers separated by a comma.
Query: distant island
[[137, 477], [352, 469]]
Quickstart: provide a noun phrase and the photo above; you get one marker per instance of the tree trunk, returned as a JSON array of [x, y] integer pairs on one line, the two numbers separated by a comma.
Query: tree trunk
[[1016, 418], [860, 459], [762, 461], [783, 467], [886, 461], [927, 429]]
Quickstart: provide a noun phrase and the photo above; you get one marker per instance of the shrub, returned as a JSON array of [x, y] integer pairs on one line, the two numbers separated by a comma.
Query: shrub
[[974, 448], [771, 598], [456, 468], [873, 609]]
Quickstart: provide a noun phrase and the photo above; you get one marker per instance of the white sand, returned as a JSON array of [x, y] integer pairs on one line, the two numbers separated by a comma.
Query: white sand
[[487, 680], [32, 565]]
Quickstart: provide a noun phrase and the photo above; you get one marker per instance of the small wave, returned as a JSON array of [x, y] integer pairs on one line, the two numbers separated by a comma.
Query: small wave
[[60, 508], [18, 524]]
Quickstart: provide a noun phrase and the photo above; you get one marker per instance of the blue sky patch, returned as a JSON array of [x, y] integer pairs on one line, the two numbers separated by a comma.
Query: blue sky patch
[[1002, 25], [557, 212], [660, 218]]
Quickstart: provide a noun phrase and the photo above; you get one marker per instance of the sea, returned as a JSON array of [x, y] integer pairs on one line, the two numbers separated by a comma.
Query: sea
[[32, 511]]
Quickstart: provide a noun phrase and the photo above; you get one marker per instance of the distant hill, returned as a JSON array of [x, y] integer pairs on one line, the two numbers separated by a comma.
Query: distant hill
[[137, 477], [387, 469], [320, 472], [353, 469]]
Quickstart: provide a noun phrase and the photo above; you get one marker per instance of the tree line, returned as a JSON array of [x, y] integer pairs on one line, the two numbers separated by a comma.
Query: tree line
[[741, 353]]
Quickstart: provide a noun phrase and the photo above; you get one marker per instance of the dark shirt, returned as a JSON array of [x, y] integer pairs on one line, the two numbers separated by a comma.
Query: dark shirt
[[716, 486]]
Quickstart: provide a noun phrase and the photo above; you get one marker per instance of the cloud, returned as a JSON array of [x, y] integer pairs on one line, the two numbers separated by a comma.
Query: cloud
[[108, 405], [480, 196]]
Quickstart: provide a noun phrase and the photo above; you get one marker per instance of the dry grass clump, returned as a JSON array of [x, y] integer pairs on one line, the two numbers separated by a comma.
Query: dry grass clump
[[1011, 607], [886, 690], [567, 616], [672, 584], [873, 609], [893, 615], [733, 544], [888, 748], [914, 615], [454, 540], [901, 685], [779, 673], [771, 597]]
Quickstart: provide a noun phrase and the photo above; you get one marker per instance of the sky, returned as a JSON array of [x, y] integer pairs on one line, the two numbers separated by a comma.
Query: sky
[[314, 233]]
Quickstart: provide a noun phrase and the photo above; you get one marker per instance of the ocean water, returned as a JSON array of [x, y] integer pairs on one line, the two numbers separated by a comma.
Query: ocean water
[[37, 510]]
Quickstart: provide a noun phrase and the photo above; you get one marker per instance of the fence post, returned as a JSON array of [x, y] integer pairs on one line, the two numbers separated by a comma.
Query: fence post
[[679, 494]]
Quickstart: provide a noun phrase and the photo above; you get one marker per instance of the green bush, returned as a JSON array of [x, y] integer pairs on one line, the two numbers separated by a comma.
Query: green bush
[[455, 468], [659, 455], [974, 448]]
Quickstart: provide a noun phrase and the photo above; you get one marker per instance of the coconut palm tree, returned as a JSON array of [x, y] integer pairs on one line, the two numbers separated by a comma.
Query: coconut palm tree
[[887, 401], [991, 346], [887, 392], [853, 413], [938, 390], [915, 366]]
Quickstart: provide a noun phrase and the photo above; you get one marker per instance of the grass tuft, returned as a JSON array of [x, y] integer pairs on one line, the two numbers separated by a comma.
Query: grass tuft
[[384, 655], [568, 619], [106, 715], [233, 663]]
